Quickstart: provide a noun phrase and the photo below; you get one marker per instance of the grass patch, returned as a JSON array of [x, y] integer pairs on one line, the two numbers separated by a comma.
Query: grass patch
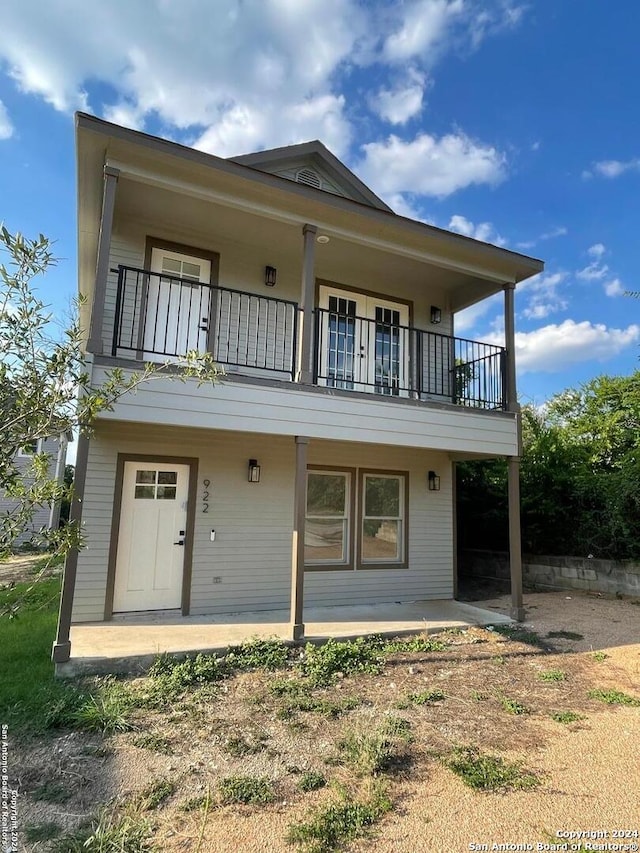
[[552, 675], [332, 826], [156, 794], [32, 700], [512, 706], [154, 743], [565, 635], [255, 790], [567, 717], [415, 644], [258, 654], [426, 697], [614, 697], [239, 746], [311, 781], [42, 831], [323, 665], [297, 697], [108, 710], [600, 656], [478, 696], [485, 772], [194, 804], [173, 675], [369, 754], [51, 792], [109, 833]]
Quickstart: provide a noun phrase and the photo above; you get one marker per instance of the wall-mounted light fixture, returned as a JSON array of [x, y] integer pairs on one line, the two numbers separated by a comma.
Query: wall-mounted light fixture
[[436, 314], [434, 481], [254, 471], [270, 274]]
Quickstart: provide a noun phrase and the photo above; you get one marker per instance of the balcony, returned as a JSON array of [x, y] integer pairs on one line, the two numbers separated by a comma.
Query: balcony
[[159, 317]]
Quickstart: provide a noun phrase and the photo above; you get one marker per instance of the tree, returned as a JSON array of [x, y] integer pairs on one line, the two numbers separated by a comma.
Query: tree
[[45, 386], [580, 477]]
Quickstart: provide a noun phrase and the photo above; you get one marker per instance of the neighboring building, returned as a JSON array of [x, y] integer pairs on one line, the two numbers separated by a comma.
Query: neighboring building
[[320, 467], [46, 517]]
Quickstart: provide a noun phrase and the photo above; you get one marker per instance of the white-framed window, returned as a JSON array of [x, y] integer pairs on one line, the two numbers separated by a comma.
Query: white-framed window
[[383, 518], [328, 519], [339, 536], [29, 449]]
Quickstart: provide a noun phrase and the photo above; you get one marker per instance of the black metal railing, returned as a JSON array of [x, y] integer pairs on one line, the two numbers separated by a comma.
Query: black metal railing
[[385, 357], [159, 316]]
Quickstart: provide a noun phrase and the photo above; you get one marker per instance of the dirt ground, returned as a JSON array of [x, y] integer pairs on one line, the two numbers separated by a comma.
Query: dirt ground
[[589, 769]]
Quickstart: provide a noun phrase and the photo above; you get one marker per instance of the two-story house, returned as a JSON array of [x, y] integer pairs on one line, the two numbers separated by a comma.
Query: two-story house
[[318, 471]]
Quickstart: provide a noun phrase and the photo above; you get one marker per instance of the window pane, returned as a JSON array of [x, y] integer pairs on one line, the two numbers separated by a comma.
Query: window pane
[[380, 540], [190, 270], [382, 496], [171, 265], [166, 493], [145, 476], [326, 494], [324, 539], [145, 492], [168, 478]]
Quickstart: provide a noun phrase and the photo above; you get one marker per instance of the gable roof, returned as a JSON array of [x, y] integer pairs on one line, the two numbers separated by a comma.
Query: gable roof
[[290, 159]]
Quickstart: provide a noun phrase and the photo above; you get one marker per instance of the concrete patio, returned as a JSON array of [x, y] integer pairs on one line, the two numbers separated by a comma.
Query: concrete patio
[[130, 643]]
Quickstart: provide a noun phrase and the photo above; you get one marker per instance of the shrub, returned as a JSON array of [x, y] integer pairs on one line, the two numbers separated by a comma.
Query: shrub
[[311, 781], [489, 772]]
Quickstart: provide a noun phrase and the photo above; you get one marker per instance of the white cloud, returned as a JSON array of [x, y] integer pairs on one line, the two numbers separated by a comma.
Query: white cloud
[[404, 205], [428, 165], [597, 250], [612, 168], [6, 127], [194, 65], [542, 295], [483, 231], [553, 348], [560, 231], [614, 287], [424, 28], [403, 102], [427, 28], [595, 271]]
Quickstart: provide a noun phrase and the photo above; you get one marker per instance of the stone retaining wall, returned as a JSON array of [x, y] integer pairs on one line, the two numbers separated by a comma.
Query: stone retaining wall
[[584, 573]]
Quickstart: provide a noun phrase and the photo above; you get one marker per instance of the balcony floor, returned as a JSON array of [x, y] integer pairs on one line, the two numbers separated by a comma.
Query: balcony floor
[[129, 643]]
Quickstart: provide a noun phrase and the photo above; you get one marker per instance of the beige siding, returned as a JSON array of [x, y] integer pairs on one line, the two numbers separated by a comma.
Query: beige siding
[[248, 566]]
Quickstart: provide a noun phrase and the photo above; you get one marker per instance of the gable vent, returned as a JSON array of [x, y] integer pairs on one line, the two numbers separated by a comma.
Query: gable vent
[[308, 176]]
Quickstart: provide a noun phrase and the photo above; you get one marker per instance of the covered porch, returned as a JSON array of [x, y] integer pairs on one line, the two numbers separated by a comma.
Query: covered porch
[[130, 643]]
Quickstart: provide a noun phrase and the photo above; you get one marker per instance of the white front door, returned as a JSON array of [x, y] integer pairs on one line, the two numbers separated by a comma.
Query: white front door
[[153, 520], [177, 313], [364, 343]]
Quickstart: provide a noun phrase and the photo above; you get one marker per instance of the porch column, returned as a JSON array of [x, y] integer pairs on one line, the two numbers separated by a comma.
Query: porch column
[[304, 371], [513, 462], [62, 646], [297, 555], [111, 175]]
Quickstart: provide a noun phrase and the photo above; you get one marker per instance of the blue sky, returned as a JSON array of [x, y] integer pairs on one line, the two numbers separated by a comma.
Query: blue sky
[[514, 122]]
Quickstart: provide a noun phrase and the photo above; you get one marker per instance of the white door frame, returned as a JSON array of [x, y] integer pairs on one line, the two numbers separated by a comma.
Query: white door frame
[[364, 339], [158, 460]]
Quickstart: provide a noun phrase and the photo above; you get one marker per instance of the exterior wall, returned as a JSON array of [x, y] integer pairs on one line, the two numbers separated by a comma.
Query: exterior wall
[[248, 567], [545, 572], [41, 516], [288, 409]]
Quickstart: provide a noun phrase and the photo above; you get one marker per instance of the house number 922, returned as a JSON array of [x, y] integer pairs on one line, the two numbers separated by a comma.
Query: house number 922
[[205, 495]]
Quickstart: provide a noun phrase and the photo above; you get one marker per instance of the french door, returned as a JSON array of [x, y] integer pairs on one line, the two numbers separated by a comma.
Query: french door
[[177, 311], [364, 343]]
